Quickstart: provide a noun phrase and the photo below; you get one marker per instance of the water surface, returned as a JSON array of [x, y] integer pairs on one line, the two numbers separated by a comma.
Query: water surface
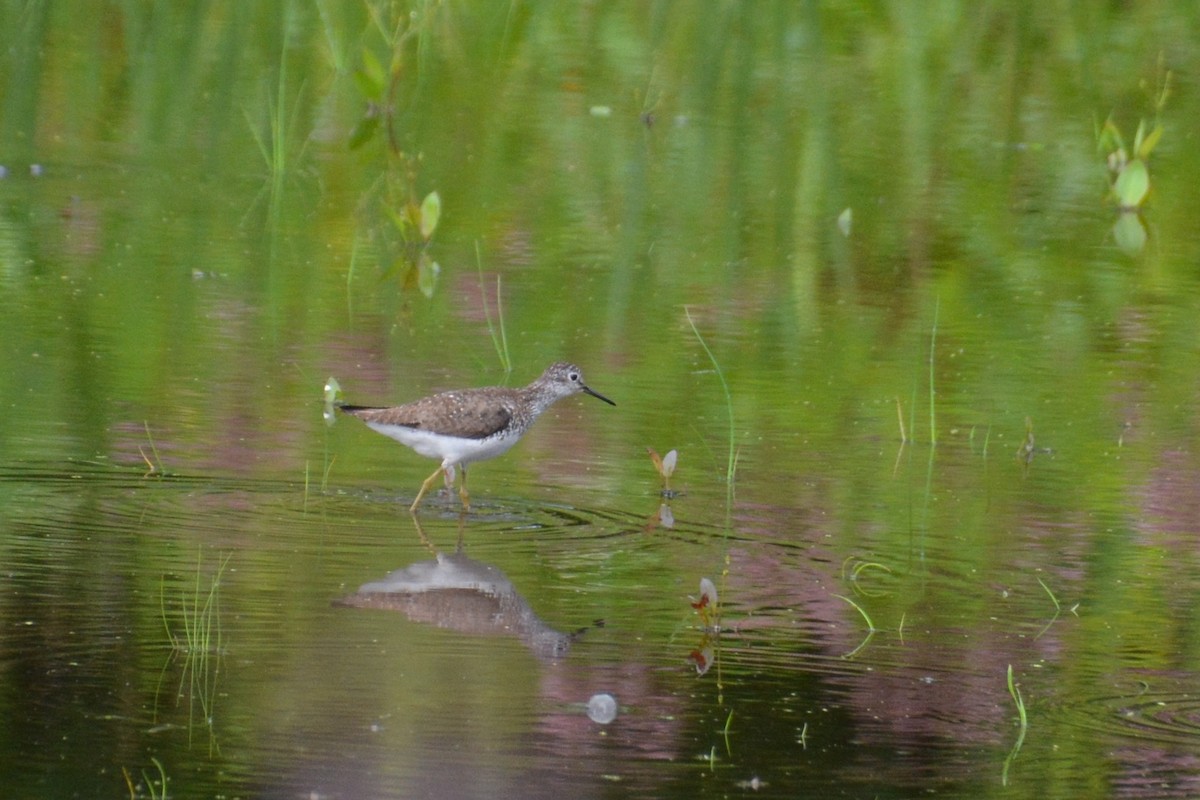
[[951, 436]]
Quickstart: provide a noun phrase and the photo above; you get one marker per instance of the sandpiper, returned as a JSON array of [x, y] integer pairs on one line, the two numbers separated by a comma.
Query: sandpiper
[[464, 426]]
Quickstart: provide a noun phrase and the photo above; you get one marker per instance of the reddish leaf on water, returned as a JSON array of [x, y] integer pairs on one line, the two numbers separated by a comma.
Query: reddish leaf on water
[[701, 659]]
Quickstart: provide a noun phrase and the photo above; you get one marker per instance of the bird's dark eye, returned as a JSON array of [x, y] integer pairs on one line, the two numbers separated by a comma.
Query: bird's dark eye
[[574, 376]]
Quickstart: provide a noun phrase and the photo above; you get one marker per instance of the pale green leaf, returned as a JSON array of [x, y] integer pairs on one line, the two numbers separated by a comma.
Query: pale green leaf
[[1132, 184], [1150, 142], [371, 78], [333, 390], [1129, 233], [431, 210], [427, 275]]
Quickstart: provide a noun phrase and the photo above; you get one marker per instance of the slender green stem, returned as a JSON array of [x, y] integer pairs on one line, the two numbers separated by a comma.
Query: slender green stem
[[731, 465], [861, 610], [1019, 701], [350, 278], [157, 465], [1057, 609], [328, 470], [932, 387], [161, 792], [495, 330]]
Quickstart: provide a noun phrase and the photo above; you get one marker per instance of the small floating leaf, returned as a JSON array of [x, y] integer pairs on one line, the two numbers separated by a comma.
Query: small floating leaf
[[707, 602], [431, 210], [1132, 184], [427, 275], [333, 391], [845, 219], [1129, 232], [701, 659], [664, 465]]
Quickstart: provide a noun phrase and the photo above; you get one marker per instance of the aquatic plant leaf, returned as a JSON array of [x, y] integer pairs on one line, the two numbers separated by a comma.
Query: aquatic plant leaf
[[665, 466], [363, 130], [371, 78], [405, 220], [701, 659], [1132, 184], [668, 463], [845, 220], [1129, 233], [427, 275], [1109, 137], [431, 211], [1148, 144], [333, 391]]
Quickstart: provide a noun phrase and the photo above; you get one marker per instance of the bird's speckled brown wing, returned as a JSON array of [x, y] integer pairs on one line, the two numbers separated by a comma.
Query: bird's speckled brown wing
[[465, 414]]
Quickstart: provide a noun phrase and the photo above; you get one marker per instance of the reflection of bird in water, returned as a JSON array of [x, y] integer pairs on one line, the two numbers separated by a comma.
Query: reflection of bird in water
[[462, 594]]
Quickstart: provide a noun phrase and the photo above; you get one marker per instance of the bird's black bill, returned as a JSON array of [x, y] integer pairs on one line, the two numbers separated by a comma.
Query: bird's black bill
[[599, 396]]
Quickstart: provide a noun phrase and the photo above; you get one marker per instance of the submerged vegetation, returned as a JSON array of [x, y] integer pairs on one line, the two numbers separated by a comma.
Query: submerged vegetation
[[1015, 692], [1128, 167], [405, 243], [193, 628], [154, 786], [731, 442]]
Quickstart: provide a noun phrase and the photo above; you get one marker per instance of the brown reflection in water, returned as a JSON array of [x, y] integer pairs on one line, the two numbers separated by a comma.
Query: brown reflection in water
[[456, 592], [459, 593]]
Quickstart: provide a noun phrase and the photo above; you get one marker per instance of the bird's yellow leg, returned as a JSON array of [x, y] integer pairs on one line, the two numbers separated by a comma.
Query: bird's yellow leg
[[425, 488], [462, 490]]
